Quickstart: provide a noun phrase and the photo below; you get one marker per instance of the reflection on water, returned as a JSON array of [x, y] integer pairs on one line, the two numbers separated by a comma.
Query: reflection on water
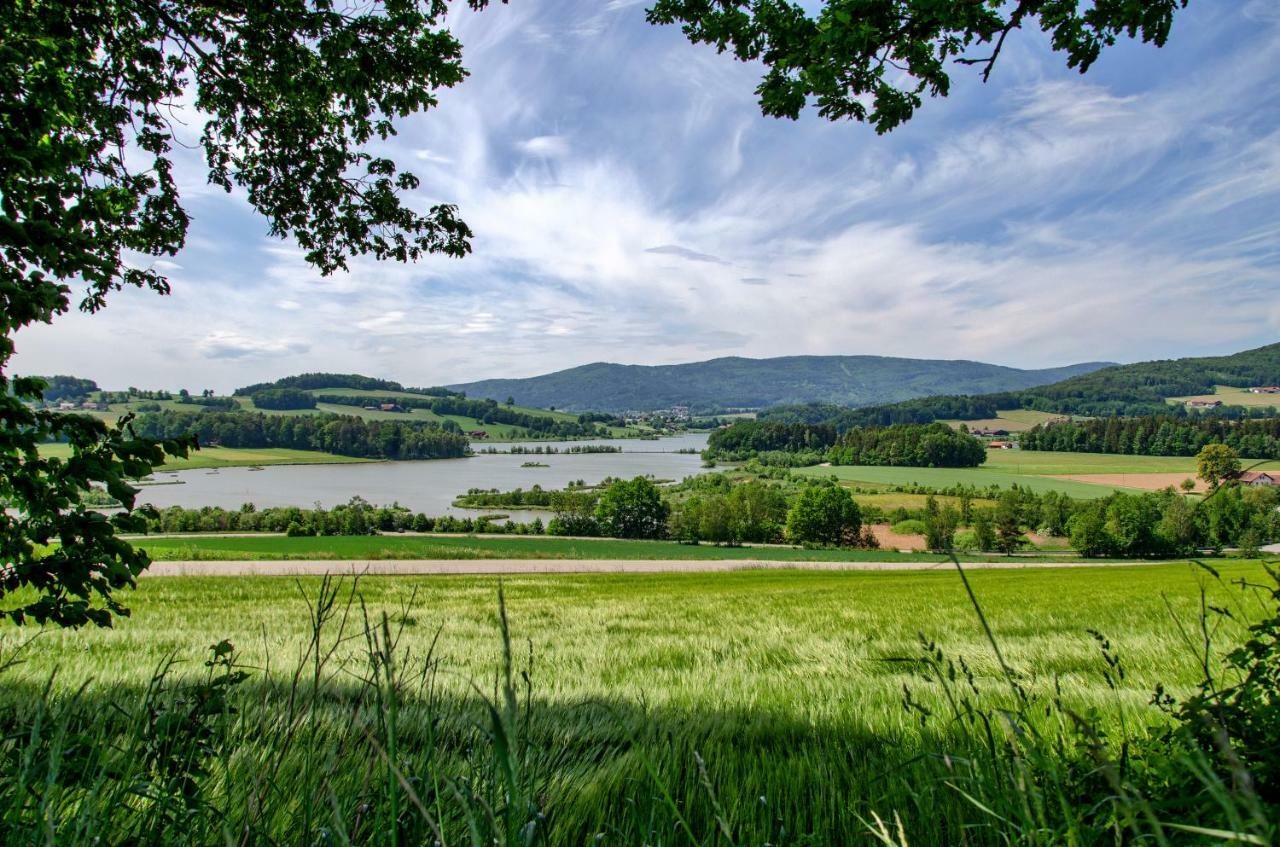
[[424, 486]]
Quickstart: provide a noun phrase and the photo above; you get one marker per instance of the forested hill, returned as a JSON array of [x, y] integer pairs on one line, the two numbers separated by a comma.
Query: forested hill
[[1138, 389], [1154, 381], [737, 383]]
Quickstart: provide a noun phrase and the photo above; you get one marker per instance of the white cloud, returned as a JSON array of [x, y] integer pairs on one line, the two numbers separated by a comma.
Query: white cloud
[[228, 344], [545, 146]]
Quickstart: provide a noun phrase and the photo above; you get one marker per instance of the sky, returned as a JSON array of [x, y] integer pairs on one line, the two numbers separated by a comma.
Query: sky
[[631, 204]]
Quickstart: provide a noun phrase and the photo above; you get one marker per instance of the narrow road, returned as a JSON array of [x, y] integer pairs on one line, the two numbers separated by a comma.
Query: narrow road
[[408, 567]]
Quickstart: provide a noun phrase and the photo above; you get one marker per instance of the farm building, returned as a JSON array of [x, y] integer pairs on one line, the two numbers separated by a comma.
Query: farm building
[[1001, 445], [390, 407], [478, 433], [1265, 389], [1259, 478], [990, 433], [1203, 404]]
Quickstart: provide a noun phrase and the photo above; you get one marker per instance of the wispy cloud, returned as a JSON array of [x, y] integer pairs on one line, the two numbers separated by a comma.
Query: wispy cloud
[[229, 344], [685, 253]]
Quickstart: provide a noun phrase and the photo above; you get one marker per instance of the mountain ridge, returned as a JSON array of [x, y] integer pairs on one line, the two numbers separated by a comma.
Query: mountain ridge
[[737, 382]]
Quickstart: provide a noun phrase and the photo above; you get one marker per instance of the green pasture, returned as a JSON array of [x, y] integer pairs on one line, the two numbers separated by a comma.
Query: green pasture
[[1028, 468], [516, 547], [894, 500], [729, 708], [228, 457], [1014, 420], [1232, 396], [943, 477], [1040, 462]]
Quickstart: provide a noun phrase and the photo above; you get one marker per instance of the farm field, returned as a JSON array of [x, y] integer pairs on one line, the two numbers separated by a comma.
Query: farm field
[[1038, 470], [375, 547], [1232, 396], [894, 500], [228, 457], [752, 703], [1014, 420], [943, 477]]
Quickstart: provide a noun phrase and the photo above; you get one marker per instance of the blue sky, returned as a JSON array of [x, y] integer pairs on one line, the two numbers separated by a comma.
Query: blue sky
[[632, 205]]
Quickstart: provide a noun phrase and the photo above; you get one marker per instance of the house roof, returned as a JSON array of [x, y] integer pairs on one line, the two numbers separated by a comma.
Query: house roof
[[1257, 476]]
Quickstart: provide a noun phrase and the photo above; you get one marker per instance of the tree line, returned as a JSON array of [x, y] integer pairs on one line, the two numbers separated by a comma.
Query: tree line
[[61, 387], [356, 382], [340, 434], [281, 399], [914, 445], [909, 445], [206, 401], [746, 438], [1162, 435]]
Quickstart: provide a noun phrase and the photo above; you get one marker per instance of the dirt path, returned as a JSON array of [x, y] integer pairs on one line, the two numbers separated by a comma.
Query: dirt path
[[407, 567]]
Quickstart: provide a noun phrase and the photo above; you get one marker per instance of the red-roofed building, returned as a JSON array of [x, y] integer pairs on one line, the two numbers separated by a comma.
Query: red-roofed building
[[1259, 478]]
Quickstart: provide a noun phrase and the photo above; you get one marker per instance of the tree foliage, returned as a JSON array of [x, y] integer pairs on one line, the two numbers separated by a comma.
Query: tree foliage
[[1217, 462], [313, 381], [824, 514], [909, 445], [292, 94], [632, 509], [1163, 435], [875, 60], [61, 561], [341, 434]]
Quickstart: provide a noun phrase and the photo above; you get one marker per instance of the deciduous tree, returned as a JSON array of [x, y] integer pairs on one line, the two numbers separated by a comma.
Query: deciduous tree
[[1216, 463], [292, 94], [875, 60]]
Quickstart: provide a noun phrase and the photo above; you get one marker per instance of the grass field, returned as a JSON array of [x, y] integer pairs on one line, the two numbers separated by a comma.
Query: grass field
[[229, 457], [737, 708], [1028, 468], [894, 500], [1232, 396], [522, 547], [1014, 420], [943, 477]]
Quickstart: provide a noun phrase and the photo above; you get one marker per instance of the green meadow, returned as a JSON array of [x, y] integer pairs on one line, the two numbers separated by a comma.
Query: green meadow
[[228, 457], [214, 547], [1013, 420], [1028, 468], [731, 708], [1232, 396], [944, 477]]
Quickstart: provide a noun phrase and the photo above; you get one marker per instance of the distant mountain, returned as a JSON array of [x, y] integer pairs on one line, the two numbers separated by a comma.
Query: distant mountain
[[737, 383]]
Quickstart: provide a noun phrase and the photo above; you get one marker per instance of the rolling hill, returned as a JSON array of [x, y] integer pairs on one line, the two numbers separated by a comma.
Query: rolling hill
[[1142, 388], [736, 383]]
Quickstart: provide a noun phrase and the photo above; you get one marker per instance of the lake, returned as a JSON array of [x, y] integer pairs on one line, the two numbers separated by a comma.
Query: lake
[[430, 486]]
